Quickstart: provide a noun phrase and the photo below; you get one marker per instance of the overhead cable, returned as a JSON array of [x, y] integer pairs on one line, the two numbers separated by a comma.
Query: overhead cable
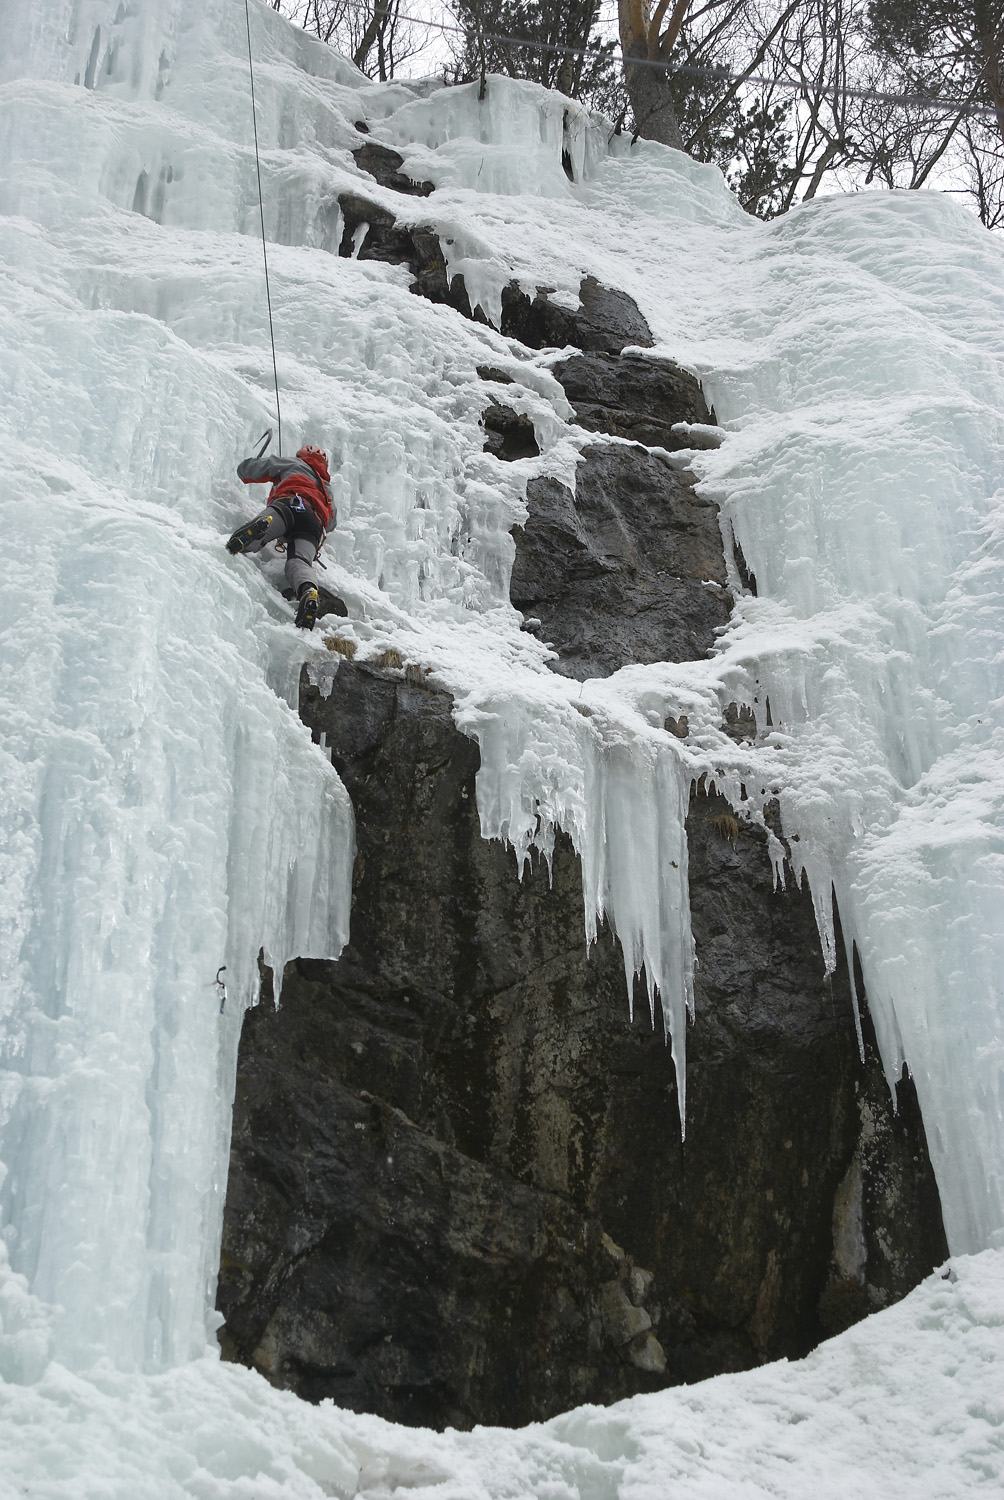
[[691, 70]]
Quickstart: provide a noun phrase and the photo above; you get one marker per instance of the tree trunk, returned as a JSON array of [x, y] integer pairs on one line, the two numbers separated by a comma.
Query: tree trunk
[[989, 44], [370, 35], [651, 102], [648, 86]]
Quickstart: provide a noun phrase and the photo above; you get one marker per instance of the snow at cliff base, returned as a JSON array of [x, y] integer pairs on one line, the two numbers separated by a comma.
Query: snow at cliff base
[[906, 1406], [165, 814]]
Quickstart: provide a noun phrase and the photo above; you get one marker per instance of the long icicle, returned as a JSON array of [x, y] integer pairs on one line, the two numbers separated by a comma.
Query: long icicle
[[261, 210]]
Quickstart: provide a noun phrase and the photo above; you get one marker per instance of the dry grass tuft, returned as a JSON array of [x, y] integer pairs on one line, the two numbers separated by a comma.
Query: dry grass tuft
[[344, 648], [386, 659], [727, 825]]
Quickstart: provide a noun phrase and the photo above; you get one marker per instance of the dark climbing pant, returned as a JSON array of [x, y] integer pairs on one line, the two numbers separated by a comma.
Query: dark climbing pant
[[296, 523]]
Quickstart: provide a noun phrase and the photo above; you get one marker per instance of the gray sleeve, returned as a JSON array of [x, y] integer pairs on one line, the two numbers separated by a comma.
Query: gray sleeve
[[260, 470]]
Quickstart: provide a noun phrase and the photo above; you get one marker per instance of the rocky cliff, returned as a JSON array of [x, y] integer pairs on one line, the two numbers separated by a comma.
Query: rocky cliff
[[458, 1190]]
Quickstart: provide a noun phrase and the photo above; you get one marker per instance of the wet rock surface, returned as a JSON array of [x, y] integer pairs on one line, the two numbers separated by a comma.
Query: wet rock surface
[[508, 434], [605, 321], [384, 165], [458, 1190], [630, 569], [631, 396]]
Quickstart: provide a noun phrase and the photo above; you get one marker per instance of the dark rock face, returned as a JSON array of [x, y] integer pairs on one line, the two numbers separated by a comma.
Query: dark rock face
[[458, 1191], [606, 321], [416, 247], [385, 165], [403, 1230], [489, 372], [383, 240], [633, 397], [507, 434], [630, 570]]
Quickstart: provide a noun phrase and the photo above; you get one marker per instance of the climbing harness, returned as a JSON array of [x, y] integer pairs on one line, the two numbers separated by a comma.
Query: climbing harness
[[297, 504], [221, 985], [261, 210]]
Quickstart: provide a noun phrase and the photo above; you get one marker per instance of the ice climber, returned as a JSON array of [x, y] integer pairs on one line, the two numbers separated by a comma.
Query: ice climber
[[300, 511]]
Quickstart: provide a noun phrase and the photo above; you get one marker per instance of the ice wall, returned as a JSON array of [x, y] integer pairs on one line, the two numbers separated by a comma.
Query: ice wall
[[164, 811], [866, 493]]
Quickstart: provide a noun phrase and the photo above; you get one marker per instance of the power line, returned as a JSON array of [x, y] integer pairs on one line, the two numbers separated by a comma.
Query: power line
[[689, 70], [261, 210]]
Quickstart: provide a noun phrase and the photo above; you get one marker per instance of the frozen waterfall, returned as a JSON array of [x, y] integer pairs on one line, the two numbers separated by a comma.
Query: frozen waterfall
[[163, 810]]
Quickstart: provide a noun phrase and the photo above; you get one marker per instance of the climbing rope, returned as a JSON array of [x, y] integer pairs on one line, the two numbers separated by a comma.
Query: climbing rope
[[261, 210]]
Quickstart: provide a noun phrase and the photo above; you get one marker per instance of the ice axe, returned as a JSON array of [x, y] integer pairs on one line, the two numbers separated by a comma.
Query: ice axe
[[264, 440]]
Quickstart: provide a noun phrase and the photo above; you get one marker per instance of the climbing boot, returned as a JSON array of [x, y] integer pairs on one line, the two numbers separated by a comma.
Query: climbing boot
[[306, 609], [252, 532]]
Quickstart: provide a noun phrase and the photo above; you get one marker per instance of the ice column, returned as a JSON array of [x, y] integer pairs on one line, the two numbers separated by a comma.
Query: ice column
[[548, 763], [165, 813]]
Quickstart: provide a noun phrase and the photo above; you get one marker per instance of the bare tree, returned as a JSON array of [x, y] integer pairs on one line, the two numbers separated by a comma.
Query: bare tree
[[326, 18], [729, 108], [953, 51], [374, 33], [788, 97], [646, 47], [551, 43], [985, 170]]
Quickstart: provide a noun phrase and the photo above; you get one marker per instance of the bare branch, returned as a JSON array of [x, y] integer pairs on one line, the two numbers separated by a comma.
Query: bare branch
[[666, 42], [755, 62]]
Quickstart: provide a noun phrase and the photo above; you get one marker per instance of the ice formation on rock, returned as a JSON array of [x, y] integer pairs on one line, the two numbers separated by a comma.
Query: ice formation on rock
[[164, 811]]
